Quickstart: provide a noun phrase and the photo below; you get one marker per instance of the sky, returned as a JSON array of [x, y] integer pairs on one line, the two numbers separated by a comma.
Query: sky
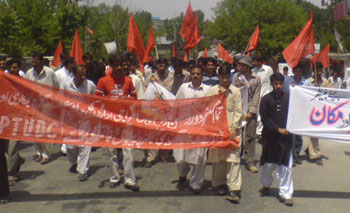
[[172, 8]]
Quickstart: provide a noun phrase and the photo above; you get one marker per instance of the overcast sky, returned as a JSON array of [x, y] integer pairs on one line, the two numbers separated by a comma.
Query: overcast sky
[[172, 8]]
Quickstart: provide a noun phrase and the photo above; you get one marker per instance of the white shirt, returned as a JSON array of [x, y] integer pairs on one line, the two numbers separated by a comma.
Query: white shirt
[[336, 83], [87, 87], [21, 73], [46, 76], [187, 90], [264, 73], [192, 156], [63, 76], [140, 91]]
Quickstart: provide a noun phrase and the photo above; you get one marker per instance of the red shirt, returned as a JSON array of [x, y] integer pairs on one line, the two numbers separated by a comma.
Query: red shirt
[[115, 87]]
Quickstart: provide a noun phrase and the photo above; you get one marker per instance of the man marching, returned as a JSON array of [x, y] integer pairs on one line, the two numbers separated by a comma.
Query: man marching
[[226, 172], [194, 159], [79, 156], [276, 141], [117, 86]]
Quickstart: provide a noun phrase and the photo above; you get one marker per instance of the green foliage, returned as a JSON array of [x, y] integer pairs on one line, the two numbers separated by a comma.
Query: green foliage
[[37, 25], [341, 26], [280, 22]]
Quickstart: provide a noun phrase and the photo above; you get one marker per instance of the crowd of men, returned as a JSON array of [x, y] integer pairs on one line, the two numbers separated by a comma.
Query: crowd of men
[[257, 108]]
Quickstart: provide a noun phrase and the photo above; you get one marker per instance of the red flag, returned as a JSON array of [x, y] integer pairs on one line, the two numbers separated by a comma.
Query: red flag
[[89, 30], [186, 57], [56, 61], [186, 29], [302, 46], [322, 56], [135, 43], [151, 43], [254, 40], [205, 53], [77, 50], [194, 38], [174, 50], [223, 54]]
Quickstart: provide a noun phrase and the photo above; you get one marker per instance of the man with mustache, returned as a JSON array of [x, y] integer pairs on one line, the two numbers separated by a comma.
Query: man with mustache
[[192, 159]]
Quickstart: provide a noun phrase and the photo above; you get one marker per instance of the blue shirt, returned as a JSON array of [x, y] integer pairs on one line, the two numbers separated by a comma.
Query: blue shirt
[[289, 80]]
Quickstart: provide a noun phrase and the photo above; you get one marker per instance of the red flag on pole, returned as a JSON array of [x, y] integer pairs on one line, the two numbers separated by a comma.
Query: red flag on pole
[[186, 57], [322, 56], [56, 61], [174, 50], [151, 43], [195, 37], [186, 29], [205, 53], [77, 50], [302, 46], [254, 40], [135, 43], [223, 54]]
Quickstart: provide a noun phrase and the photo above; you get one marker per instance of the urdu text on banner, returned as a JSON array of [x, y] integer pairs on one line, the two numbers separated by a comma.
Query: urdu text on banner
[[320, 112], [39, 113]]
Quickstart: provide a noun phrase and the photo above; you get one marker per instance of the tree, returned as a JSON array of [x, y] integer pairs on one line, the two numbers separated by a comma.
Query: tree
[[280, 22], [31, 26]]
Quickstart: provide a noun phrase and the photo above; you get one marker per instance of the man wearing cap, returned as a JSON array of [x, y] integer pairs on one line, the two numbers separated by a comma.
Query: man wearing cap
[[254, 90]]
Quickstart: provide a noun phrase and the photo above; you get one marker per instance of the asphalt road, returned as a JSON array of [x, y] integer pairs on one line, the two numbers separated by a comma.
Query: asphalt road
[[51, 188]]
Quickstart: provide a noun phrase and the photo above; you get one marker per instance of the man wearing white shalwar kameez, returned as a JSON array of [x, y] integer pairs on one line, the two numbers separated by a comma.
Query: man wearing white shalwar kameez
[[264, 72], [79, 156], [194, 159], [226, 162], [65, 76]]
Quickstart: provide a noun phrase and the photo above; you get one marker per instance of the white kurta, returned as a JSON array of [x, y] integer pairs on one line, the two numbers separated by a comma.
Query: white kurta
[[80, 155], [63, 77], [140, 91], [264, 73], [186, 91]]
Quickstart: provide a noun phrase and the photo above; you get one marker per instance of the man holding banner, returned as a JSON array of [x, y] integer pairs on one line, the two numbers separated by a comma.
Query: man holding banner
[[276, 141], [79, 156], [194, 159], [165, 79], [116, 86], [296, 80], [226, 163], [42, 74]]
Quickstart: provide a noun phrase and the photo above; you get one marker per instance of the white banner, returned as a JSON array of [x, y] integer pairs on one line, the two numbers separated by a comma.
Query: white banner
[[320, 112], [111, 47], [156, 91]]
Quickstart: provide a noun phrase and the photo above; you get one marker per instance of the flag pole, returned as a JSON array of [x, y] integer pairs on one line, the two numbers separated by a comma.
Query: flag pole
[[316, 80], [246, 49], [155, 48]]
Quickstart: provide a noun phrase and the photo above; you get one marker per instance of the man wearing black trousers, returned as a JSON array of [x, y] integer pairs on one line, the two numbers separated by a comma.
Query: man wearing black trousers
[[4, 182]]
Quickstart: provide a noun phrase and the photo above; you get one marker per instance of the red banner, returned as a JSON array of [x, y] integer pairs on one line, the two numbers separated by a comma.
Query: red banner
[[40, 113]]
